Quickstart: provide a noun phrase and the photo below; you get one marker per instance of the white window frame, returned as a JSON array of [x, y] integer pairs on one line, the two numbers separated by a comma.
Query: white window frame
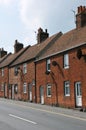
[[25, 88], [48, 65], [67, 88], [2, 72], [66, 61], [24, 68], [48, 89]]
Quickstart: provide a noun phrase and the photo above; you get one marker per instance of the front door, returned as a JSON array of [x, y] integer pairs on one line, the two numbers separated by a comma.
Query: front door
[[30, 92], [78, 94], [5, 91], [12, 91], [41, 95]]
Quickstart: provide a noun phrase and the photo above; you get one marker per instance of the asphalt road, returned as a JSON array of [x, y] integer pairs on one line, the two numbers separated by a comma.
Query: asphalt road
[[17, 116]]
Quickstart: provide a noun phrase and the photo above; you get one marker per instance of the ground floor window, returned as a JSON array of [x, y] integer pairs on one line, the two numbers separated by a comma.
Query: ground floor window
[[48, 90], [2, 87], [25, 88], [67, 88]]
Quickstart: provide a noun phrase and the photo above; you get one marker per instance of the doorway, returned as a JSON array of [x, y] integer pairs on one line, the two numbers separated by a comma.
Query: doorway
[[5, 90], [30, 92], [41, 95], [78, 94]]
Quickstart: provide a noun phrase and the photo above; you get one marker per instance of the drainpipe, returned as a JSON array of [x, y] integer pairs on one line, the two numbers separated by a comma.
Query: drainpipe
[[8, 85], [35, 84]]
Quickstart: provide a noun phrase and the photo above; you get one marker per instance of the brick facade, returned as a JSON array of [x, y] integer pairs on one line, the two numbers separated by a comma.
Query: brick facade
[[56, 68], [4, 81], [57, 77], [20, 79]]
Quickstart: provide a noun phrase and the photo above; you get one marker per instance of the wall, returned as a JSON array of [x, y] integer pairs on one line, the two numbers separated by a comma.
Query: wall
[[20, 79], [4, 80], [75, 73]]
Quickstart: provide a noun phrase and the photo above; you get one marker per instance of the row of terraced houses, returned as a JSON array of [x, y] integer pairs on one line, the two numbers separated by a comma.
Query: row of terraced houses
[[51, 72]]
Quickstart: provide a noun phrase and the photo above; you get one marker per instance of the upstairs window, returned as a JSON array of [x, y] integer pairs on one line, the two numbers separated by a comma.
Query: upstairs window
[[2, 72], [24, 68], [66, 61], [48, 65], [16, 71]]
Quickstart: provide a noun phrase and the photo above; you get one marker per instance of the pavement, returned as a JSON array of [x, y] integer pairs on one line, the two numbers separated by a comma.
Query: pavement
[[75, 113]]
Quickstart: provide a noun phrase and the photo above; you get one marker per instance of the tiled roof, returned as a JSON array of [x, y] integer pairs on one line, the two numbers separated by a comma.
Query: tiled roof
[[67, 41], [12, 57], [4, 57], [35, 50]]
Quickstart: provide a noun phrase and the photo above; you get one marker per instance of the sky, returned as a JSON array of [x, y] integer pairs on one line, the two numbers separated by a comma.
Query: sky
[[21, 19]]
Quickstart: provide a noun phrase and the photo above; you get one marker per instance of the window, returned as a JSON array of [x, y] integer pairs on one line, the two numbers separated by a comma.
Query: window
[[2, 87], [16, 88], [2, 72], [67, 88], [25, 88], [16, 71], [48, 90], [24, 68], [66, 61], [48, 64]]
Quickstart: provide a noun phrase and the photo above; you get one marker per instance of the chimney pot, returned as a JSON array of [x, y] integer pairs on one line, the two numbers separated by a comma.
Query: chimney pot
[[46, 30], [17, 46], [2, 52], [81, 17], [41, 36]]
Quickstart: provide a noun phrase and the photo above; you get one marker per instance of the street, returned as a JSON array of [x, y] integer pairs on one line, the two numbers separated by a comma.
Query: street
[[14, 115]]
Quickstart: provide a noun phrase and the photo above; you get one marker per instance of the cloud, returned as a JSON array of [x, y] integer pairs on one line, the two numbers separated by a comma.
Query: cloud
[[35, 14], [29, 14], [6, 2]]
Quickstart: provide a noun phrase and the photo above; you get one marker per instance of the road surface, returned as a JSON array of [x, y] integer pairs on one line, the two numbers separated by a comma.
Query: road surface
[[17, 116]]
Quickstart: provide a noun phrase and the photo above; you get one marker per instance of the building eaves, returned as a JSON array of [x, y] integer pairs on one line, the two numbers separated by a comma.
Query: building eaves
[[59, 52]]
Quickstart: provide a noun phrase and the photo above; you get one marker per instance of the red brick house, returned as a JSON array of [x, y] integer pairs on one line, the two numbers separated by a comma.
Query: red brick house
[[50, 72], [5, 61], [24, 79], [60, 72]]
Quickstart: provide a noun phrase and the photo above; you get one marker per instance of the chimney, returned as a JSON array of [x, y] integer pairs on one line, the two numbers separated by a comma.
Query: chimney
[[2, 52], [17, 46], [81, 17], [41, 36]]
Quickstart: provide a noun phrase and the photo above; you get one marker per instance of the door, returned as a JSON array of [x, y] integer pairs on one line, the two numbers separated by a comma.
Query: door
[[12, 91], [78, 94], [5, 91], [41, 95], [30, 92]]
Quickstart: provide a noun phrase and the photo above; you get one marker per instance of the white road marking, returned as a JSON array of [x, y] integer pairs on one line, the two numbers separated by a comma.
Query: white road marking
[[56, 113], [20, 118]]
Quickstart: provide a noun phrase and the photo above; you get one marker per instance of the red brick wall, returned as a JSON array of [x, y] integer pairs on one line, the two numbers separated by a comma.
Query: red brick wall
[[21, 78], [75, 73], [4, 80]]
